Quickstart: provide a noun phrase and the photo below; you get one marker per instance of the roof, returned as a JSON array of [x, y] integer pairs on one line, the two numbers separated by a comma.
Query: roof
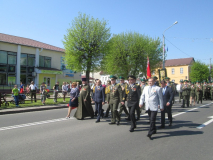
[[179, 62], [27, 42]]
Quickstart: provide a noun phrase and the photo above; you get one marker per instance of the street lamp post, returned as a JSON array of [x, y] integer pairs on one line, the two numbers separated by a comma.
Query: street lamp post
[[164, 42]]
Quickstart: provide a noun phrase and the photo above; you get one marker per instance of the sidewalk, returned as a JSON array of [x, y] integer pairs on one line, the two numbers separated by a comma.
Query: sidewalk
[[31, 109]]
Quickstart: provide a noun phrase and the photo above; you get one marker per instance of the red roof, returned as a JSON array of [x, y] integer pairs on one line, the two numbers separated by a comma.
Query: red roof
[[179, 62], [27, 42]]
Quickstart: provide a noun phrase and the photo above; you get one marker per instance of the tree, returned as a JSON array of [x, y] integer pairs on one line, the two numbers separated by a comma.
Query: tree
[[128, 54], [199, 71], [86, 43]]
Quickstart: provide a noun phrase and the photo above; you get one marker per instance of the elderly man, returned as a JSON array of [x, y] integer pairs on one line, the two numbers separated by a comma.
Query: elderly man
[[152, 96]]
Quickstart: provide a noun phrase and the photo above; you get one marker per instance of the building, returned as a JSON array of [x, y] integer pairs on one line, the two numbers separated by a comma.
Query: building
[[26, 60], [178, 69]]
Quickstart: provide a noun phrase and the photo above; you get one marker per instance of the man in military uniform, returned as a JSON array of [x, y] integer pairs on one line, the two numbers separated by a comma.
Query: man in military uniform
[[115, 97], [123, 86], [198, 92], [107, 91], [172, 86], [211, 90], [156, 81], [186, 93], [133, 91], [180, 93], [205, 90]]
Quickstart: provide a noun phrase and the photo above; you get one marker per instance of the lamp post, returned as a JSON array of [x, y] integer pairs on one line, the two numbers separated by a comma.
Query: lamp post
[[164, 42]]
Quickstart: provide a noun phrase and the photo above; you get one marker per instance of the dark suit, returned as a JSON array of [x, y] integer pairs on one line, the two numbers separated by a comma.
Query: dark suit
[[99, 97], [167, 97], [133, 97]]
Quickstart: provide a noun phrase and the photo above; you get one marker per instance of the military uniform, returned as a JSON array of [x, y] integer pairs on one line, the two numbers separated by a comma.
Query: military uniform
[[115, 97], [205, 91], [186, 93], [107, 91], [180, 93], [123, 107], [211, 91], [192, 94], [199, 93], [133, 96]]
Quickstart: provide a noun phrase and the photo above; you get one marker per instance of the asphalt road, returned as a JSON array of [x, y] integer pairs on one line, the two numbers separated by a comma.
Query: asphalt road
[[44, 135]]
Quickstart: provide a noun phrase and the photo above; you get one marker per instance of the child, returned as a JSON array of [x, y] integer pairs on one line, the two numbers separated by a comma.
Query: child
[[43, 93], [15, 93]]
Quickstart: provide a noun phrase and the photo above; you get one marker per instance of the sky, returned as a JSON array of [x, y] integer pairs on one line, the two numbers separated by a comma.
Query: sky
[[47, 21]]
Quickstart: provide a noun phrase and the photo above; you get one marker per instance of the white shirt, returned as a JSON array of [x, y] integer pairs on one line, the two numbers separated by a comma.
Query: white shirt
[[33, 87]]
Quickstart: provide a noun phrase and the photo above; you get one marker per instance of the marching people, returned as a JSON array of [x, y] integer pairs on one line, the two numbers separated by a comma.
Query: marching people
[[205, 90], [133, 92], [99, 99], [167, 103], [186, 93], [74, 93], [152, 96], [21, 88], [211, 90], [180, 92], [199, 92], [43, 93], [107, 91], [85, 107], [115, 97], [192, 94], [55, 93], [172, 86], [123, 107], [64, 90], [33, 89]]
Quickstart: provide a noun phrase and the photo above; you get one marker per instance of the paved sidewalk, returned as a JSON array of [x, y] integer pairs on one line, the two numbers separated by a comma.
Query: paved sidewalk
[[31, 109]]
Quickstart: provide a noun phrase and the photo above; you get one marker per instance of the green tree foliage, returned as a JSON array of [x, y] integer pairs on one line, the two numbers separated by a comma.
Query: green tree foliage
[[128, 54], [86, 43], [199, 71]]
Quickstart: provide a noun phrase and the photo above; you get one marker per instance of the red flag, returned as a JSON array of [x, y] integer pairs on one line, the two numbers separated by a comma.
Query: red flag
[[148, 69]]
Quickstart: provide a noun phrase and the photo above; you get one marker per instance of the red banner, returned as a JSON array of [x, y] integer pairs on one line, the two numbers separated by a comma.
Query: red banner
[[148, 69]]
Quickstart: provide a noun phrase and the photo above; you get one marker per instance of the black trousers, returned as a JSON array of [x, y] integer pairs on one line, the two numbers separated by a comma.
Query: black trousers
[[132, 116], [153, 115], [33, 94], [169, 113], [98, 106]]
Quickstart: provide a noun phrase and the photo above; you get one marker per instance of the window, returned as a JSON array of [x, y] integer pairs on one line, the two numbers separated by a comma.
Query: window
[[173, 71], [23, 59], [3, 68], [31, 60], [173, 80], [44, 61], [11, 69], [3, 57], [11, 58], [181, 70], [23, 69], [2, 79]]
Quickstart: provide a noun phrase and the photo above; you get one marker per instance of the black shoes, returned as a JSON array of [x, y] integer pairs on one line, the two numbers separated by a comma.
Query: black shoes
[[150, 136], [131, 130], [118, 123], [97, 121], [111, 123]]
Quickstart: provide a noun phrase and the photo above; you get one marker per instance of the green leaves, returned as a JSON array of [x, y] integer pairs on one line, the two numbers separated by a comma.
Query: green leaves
[[199, 71]]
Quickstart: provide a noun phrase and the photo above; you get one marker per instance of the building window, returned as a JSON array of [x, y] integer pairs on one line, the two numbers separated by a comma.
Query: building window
[[3, 57], [181, 70], [31, 60], [2, 78], [173, 71], [11, 58], [44, 61], [3, 68], [23, 59], [173, 80], [186, 77]]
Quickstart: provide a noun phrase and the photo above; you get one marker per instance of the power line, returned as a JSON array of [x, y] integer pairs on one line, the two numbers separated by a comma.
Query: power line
[[178, 48]]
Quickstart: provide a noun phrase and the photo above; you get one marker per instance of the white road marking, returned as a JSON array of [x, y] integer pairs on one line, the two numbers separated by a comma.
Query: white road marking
[[206, 123], [63, 119], [34, 123]]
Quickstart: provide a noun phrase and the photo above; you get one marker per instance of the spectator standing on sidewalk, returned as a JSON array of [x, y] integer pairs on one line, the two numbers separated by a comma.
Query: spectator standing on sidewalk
[[55, 93], [64, 91], [21, 88], [43, 93], [15, 93], [33, 89]]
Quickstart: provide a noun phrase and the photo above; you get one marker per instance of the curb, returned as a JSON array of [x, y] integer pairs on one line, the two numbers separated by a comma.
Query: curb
[[30, 109]]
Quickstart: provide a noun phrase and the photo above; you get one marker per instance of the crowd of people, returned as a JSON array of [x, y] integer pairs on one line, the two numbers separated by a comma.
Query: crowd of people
[[150, 95]]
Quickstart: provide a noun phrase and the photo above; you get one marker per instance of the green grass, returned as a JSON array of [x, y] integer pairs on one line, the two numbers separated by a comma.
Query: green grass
[[38, 103]]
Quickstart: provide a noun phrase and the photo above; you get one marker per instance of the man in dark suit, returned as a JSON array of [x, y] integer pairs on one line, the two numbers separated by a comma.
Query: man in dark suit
[[99, 98], [133, 92], [167, 103]]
